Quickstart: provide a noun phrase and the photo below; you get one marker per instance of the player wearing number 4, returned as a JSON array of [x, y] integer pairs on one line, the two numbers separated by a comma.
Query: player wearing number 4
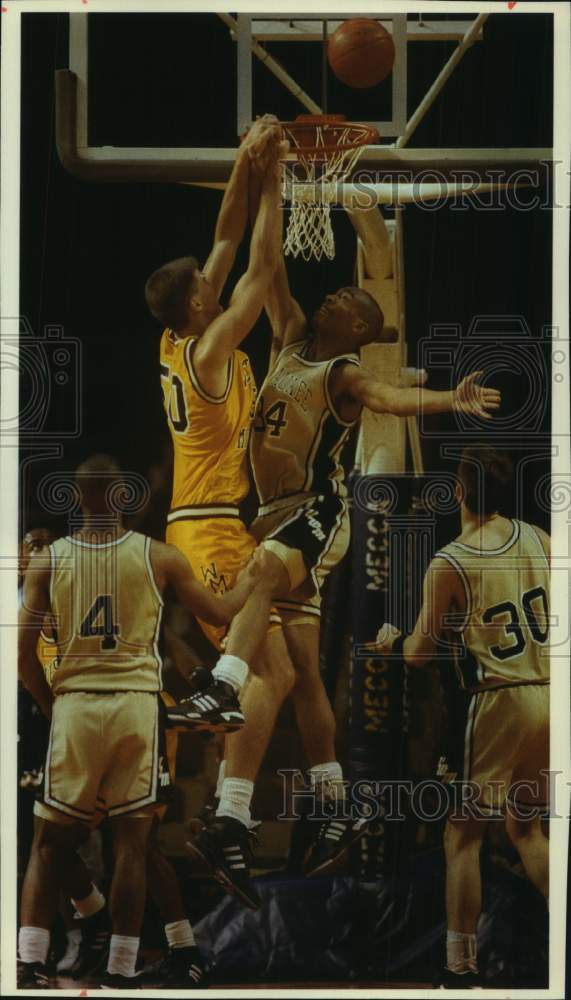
[[101, 589], [490, 586]]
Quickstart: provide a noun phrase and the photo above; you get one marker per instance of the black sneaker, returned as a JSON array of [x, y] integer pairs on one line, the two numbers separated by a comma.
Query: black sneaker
[[459, 980], [94, 947], [224, 846], [35, 975], [115, 981], [181, 969], [215, 709], [334, 837]]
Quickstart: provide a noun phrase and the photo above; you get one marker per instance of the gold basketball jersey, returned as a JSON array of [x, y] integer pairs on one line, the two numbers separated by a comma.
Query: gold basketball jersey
[[505, 633], [107, 615], [297, 435], [209, 434]]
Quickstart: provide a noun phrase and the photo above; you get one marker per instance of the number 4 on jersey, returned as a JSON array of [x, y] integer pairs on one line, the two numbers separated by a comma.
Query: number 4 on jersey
[[102, 608], [274, 417]]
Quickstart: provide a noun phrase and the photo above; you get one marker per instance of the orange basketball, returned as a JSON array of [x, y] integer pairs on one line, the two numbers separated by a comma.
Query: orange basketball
[[361, 52]]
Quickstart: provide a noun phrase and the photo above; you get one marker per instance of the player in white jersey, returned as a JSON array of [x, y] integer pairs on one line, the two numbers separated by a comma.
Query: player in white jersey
[[486, 597], [310, 399], [102, 589]]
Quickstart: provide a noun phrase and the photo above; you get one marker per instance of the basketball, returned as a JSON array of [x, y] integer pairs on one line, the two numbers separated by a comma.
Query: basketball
[[361, 52]]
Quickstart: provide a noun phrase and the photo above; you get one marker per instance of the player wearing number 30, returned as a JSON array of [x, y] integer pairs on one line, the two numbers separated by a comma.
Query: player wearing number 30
[[486, 595]]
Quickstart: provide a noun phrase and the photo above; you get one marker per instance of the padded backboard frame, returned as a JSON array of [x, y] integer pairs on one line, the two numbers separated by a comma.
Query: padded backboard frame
[[395, 24]]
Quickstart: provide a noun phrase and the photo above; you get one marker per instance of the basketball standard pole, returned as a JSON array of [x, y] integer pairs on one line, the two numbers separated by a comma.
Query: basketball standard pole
[[446, 71]]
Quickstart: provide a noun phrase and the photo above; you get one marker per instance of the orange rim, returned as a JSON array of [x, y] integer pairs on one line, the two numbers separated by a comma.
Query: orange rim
[[304, 131]]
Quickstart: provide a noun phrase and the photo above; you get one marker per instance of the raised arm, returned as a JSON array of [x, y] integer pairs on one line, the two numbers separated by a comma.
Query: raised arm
[[233, 214], [226, 332], [286, 316], [352, 387], [35, 605], [172, 569]]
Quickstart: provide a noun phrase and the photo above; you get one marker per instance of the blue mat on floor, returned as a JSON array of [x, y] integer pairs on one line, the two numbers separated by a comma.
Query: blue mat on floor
[[339, 928]]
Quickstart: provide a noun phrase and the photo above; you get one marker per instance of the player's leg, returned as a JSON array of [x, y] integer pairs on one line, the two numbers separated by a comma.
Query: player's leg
[[216, 707], [225, 843], [314, 715], [53, 865], [132, 772], [529, 790], [532, 846], [316, 723], [128, 892], [184, 966], [462, 843]]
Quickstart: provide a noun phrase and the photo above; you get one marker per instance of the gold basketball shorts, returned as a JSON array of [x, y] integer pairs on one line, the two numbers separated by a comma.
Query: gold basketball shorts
[[106, 754], [217, 548], [502, 754]]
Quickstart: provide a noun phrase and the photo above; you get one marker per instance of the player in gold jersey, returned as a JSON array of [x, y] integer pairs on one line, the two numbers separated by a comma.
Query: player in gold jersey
[[310, 399], [486, 599], [102, 590]]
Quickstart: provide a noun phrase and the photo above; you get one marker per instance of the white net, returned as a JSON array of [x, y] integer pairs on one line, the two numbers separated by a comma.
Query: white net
[[310, 183]]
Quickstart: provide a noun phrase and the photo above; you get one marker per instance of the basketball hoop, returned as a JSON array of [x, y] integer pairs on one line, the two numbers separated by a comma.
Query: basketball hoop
[[325, 149]]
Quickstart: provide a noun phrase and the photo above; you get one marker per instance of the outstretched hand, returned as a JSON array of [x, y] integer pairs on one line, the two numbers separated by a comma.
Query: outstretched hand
[[476, 400]]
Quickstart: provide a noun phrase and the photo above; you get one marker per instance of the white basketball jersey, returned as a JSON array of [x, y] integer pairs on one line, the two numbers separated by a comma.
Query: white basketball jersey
[[107, 612], [505, 633], [297, 435]]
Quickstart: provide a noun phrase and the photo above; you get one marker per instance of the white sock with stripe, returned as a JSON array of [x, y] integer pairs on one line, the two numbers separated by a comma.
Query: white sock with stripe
[[461, 952], [33, 944], [90, 904], [327, 780], [123, 955], [232, 670], [235, 799], [179, 934]]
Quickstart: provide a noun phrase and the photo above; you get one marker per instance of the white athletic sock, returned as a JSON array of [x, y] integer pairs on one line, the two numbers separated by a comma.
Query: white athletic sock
[[232, 670], [71, 951], [90, 904], [220, 780], [179, 934], [33, 944], [235, 799], [461, 952], [327, 780], [122, 954]]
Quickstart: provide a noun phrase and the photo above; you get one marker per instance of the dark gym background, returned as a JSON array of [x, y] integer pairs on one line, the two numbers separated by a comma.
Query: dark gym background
[[86, 249]]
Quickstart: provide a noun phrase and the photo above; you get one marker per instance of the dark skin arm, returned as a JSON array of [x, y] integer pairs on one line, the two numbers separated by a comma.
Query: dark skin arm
[[286, 316], [35, 605], [353, 387]]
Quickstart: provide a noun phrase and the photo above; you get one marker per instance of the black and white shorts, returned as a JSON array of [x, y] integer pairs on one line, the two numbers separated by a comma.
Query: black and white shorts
[[310, 538]]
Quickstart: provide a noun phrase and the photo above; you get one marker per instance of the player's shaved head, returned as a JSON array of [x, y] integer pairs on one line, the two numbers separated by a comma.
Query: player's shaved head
[[370, 312], [94, 477], [167, 291], [485, 474]]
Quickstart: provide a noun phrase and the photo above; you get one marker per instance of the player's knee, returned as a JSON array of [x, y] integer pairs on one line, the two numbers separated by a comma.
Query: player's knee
[[275, 578]]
